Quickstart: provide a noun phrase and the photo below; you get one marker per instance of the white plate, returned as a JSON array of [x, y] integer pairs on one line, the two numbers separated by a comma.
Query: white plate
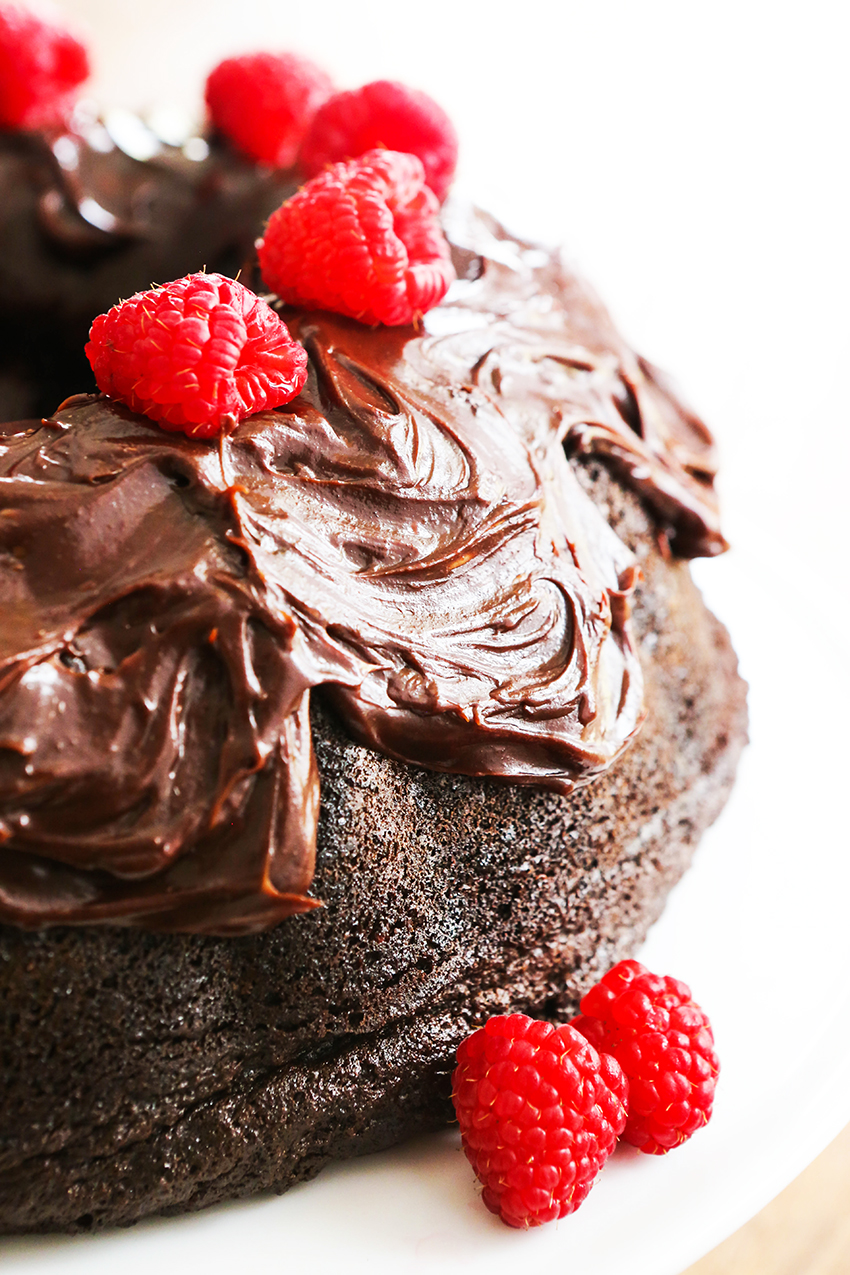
[[690, 158]]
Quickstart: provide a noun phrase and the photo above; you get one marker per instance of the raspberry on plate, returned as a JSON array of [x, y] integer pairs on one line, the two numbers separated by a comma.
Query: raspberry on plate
[[41, 68], [539, 1112], [264, 102], [664, 1043], [361, 239], [195, 355], [383, 113]]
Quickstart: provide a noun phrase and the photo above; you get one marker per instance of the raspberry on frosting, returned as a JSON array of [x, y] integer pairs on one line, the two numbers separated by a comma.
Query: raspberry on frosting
[[263, 103], [362, 239], [664, 1043], [41, 68], [383, 113], [195, 355], [539, 1112]]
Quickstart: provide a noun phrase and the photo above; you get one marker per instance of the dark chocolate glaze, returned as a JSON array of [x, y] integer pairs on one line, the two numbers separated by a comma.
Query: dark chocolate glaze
[[409, 533], [95, 211]]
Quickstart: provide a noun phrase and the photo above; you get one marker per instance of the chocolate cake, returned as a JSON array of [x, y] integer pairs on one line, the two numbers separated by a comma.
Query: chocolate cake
[[394, 709], [95, 210]]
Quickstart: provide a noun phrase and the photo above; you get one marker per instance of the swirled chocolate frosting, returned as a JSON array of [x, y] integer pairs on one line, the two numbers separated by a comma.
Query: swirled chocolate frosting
[[408, 533]]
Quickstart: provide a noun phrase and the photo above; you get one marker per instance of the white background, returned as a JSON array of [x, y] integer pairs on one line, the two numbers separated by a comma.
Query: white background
[[694, 159]]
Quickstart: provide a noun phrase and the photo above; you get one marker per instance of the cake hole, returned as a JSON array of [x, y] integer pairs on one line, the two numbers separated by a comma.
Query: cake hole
[[72, 661], [468, 265], [627, 405], [85, 1222], [173, 471], [243, 557], [551, 1007]]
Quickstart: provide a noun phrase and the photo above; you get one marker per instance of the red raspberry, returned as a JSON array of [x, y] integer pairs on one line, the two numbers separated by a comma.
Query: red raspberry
[[41, 66], [362, 239], [663, 1042], [263, 103], [383, 114], [196, 354], [539, 1113]]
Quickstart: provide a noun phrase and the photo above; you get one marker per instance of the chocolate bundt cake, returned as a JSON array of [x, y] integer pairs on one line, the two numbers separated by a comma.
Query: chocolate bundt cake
[[98, 208], [393, 708]]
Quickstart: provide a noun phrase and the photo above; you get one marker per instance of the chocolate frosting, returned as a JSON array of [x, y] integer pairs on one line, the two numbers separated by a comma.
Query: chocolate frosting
[[536, 339], [409, 533]]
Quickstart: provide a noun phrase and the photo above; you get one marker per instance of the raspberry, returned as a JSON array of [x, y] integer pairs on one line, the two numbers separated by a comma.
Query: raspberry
[[196, 354], [383, 114], [539, 1112], [41, 66], [663, 1042], [362, 239], [263, 103]]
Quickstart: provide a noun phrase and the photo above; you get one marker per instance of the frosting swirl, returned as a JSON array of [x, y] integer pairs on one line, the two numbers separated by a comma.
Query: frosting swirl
[[408, 533]]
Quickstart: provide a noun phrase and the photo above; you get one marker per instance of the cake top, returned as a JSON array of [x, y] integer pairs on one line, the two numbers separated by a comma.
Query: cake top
[[407, 533]]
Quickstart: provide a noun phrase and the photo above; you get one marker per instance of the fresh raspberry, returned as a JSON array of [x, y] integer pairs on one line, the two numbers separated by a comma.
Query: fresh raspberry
[[196, 354], [263, 103], [41, 66], [388, 114], [362, 239], [663, 1042], [539, 1112]]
